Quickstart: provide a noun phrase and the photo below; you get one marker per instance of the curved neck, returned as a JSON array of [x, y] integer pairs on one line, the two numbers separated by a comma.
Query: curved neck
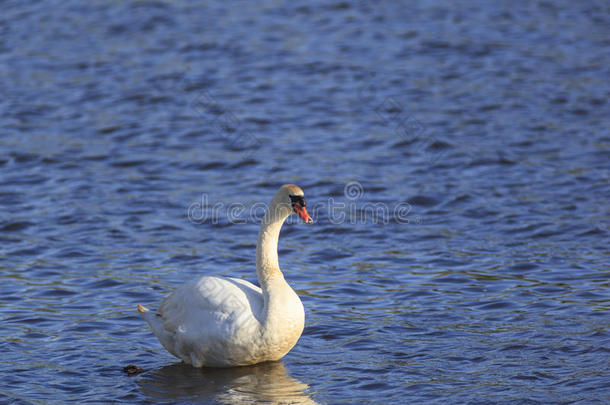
[[267, 264]]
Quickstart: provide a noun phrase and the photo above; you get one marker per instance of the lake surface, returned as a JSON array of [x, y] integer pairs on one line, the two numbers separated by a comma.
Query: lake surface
[[455, 158]]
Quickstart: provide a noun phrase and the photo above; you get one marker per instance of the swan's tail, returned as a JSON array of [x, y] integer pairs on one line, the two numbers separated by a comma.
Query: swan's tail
[[154, 320]]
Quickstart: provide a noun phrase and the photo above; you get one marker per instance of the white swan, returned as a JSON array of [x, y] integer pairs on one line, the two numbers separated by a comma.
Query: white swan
[[222, 322]]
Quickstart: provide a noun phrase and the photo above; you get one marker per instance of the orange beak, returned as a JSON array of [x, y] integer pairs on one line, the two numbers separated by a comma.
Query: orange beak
[[302, 212]]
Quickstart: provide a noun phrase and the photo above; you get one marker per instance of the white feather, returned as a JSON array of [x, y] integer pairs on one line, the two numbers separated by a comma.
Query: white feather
[[219, 322]]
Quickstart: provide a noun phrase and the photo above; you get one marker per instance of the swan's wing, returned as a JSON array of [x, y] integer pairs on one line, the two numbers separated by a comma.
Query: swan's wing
[[212, 306], [210, 321]]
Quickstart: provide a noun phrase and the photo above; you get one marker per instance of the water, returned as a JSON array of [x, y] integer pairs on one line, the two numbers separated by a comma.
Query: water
[[455, 159]]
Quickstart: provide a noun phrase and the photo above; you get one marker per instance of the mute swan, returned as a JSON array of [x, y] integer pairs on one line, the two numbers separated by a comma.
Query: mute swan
[[223, 322]]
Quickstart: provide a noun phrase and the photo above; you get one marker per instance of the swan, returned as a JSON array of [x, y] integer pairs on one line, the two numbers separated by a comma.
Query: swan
[[224, 322]]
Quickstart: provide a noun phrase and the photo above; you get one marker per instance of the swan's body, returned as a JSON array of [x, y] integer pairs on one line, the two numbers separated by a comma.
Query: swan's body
[[221, 322]]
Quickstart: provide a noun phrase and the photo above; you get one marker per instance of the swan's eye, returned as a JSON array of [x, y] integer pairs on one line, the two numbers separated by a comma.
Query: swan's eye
[[297, 201]]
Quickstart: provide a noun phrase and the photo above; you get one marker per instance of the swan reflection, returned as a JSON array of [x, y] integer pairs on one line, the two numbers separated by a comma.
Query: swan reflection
[[265, 382]]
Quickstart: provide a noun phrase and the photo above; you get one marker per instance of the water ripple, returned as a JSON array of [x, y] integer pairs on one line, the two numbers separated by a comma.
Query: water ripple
[[486, 125]]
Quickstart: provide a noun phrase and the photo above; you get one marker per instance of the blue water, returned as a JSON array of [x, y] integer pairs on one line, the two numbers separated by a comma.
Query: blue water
[[455, 158]]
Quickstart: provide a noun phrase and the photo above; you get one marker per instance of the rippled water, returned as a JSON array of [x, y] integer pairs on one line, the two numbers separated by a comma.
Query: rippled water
[[455, 157]]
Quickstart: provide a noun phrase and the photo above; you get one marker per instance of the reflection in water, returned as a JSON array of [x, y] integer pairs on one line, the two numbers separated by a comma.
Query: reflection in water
[[266, 382]]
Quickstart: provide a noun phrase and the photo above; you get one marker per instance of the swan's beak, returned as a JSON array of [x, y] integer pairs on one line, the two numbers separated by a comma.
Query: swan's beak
[[302, 212]]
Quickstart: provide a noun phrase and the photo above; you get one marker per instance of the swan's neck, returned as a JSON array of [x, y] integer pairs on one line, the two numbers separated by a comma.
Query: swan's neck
[[267, 264], [283, 312]]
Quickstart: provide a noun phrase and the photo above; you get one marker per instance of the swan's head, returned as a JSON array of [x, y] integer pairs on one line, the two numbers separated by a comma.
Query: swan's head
[[292, 197]]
